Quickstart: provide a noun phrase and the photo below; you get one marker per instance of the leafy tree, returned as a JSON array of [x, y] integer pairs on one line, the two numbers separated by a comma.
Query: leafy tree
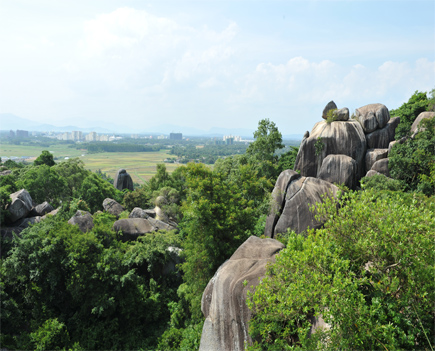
[[62, 288], [413, 162], [46, 158], [95, 190], [11, 164], [262, 151], [369, 272], [74, 172], [43, 184], [287, 159], [380, 182], [408, 112]]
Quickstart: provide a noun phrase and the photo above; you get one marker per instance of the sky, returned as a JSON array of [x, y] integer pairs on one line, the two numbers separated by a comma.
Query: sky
[[138, 64]]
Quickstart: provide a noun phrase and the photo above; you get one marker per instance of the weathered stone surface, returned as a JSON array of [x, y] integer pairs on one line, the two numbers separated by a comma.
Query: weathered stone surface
[[301, 195], [20, 206], [340, 169], [374, 155], [345, 138], [424, 115], [371, 173], [83, 220], [52, 213], [137, 212], [131, 228], [123, 180], [278, 197], [391, 126], [112, 207], [41, 209], [151, 213], [224, 299], [5, 173], [379, 139], [160, 214], [372, 117], [329, 106], [341, 114], [160, 225], [381, 166]]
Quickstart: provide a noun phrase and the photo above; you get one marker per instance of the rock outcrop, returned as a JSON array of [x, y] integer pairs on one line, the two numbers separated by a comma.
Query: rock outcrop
[[112, 207], [41, 209], [82, 219], [336, 138], [132, 228], [224, 299], [292, 198], [21, 205], [374, 155], [329, 106], [123, 180], [372, 117], [424, 115], [340, 169]]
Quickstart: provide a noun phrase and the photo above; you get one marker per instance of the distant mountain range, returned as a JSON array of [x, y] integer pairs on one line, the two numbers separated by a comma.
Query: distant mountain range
[[9, 121]]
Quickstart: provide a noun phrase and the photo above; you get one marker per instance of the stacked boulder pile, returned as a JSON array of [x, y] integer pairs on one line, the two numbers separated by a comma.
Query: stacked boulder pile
[[24, 212], [339, 150]]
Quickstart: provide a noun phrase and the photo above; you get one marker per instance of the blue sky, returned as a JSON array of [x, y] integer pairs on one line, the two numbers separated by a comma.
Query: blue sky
[[210, 63]]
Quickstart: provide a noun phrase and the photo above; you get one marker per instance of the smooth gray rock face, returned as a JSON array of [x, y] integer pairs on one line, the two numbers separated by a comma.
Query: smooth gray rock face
[[131, 228], [224, 299], [381, 166], [137, 212], [150, 213], [341, 114], [83, 220], [371, 173], [392, 125], [374, 155], [112, 207], [345, 138], [301, 195], [278, 197], [20, 206], [424, 115], [372, 117], [41, 209], [123, 180], [52, 213], [5, 173], [379, 139], [340, 169], [329, 106]]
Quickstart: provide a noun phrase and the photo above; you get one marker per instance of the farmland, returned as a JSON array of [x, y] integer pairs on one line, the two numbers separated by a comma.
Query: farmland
[[140, 165]]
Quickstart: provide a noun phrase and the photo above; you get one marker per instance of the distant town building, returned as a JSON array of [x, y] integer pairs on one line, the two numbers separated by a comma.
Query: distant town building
[[22, 134], [176, 136], [160, 137], [76, 135], [92, 136], [11, 134]]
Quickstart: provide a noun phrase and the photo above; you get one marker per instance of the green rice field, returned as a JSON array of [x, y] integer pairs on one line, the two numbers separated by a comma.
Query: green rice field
[[140, 165]]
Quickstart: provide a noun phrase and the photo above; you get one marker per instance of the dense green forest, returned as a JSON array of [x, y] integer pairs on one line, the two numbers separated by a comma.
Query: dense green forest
[[65, 289]]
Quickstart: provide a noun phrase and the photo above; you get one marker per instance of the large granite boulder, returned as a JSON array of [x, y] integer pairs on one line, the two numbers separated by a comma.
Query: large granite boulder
[[83, 220], [123, 180], [132, 228], [345, 138], [137, 212], [341, 114], [329, 106], [278, 199], [112, 207], [20, 206], [381, 166], [340, 169], [224, 299], [374, 155], [18, 226], [372, 117], [380, 138], [301, 194], [424, 115], [41, 209]]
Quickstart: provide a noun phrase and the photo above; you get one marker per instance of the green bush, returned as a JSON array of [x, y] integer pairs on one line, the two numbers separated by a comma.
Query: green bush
[[369, 273]]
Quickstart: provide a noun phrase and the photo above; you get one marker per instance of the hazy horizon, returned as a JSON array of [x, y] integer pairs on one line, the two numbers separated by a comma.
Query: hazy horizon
[[210, 64]]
